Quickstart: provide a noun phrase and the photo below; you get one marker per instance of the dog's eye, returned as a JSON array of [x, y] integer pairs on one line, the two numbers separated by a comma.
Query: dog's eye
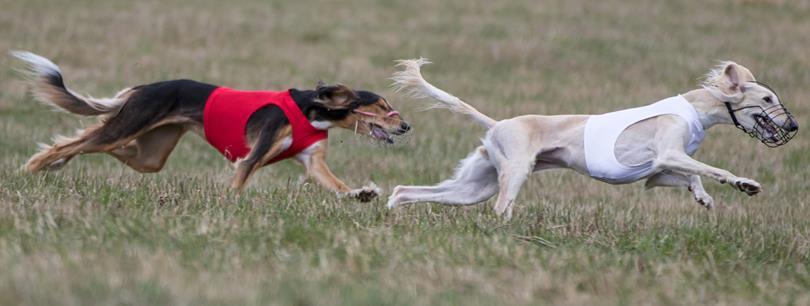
[[767, 99]]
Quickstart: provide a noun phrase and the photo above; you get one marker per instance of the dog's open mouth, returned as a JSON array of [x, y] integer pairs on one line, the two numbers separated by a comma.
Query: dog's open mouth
[[769, 132], [380, 133], [764, 125]]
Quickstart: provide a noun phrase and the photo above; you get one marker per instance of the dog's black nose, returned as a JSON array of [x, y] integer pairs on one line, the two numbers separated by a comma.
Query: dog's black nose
[[405, 126], [792, 126]]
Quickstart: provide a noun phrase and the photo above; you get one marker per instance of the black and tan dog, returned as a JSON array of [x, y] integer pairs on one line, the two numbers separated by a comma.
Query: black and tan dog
[[141, 125]]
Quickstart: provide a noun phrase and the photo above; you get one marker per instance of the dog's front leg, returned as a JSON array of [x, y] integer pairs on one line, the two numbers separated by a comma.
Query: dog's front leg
[[682, 163], [691, 182], [701, 196], [314, 160], [269, 144], [257, 158]]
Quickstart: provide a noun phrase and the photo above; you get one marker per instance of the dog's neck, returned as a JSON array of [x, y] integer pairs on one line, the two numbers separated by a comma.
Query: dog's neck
[[710, 109]]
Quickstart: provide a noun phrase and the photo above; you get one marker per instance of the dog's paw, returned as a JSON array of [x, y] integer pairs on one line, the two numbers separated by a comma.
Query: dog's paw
[[749, 186], [704, 199], [392, 203], [366, 193]]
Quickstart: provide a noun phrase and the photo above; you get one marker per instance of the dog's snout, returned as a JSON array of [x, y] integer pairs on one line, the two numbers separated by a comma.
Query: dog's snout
[[792, 126], [404, 127]]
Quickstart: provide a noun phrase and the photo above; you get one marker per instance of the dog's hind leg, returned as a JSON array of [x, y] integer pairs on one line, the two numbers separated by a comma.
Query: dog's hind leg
[[148, 152], [145, 107], [55, 156], [512, 174], [515, 161], [475, 180], [111, 135], [64, 149]]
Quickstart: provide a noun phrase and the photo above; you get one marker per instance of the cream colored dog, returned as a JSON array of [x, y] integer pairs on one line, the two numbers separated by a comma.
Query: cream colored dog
[[514, 148]]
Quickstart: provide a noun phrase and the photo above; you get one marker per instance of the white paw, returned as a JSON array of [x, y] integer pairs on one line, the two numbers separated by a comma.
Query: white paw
[[366, 193], [704, 199], [392, 202], [749, 186]]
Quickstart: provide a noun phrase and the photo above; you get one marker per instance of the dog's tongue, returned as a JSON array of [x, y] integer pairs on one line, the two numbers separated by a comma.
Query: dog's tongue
[[381, 134]]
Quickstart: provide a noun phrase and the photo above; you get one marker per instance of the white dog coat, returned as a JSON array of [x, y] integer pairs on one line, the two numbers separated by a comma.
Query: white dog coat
[[602, 132]]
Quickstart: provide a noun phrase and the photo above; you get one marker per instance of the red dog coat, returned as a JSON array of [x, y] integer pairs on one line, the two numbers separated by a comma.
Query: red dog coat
[[227, 112]]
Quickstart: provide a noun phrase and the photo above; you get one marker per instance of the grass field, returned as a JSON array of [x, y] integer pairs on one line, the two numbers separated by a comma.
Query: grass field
[[99, 233]]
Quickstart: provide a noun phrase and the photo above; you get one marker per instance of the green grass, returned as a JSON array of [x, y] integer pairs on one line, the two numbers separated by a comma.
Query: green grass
[[99, 233]]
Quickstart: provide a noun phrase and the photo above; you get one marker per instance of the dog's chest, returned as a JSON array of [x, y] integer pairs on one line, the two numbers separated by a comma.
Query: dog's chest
[[602, 134]]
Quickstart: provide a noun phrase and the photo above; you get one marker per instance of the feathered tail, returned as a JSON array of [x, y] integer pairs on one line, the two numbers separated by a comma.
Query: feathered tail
[[410, 82], [48, 87]]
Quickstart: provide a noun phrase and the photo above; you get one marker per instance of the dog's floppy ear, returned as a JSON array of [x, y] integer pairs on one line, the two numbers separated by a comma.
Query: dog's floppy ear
[[337, 96]]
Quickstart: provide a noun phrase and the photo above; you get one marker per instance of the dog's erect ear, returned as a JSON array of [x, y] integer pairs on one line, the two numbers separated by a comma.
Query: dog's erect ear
[[734, 78], [334, 96], [731, 78], [727, 81]]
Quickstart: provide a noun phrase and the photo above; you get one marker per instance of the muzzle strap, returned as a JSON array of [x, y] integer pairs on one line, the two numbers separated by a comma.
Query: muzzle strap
[[731, 112]]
